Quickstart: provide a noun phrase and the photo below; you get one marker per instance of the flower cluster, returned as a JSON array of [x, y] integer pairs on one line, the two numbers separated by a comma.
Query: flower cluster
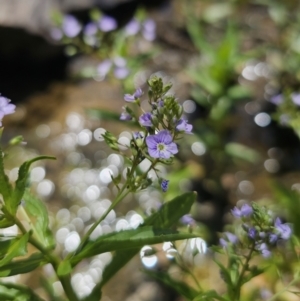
[[117, 64], [70, 27], [147, 28], [160, 126], [6, 108], [259, 231]]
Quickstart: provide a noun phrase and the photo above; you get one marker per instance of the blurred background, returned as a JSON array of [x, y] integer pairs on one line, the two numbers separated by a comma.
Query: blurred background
[[234, 67]]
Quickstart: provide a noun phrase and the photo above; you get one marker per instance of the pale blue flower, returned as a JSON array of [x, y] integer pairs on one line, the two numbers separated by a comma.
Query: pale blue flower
[[70, 26], [6, 108], [125, 116], [245, 211], [132, 27], [145, 119], [284, 230], [90, 29], [149, 30], [161, 145], [183, 126], [132, 98], [229, 238], [107, 24]]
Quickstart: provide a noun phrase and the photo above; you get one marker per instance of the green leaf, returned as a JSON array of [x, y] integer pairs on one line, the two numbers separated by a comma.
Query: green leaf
[[172, 211], [16, 292], [5, 223], [128, 239], [17, 248], [243, 152], [22, 266], [6, 188], [5, 243], [64, 268], [21, 184], [225, 274], [221, 108], [38, 214], [166, 217], [238, 92], [181, 287], [206, 82]]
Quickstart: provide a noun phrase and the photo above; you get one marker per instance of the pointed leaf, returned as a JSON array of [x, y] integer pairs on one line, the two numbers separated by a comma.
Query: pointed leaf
[[243, 152], [166, 217], [22, 266], [38, 214], [6, 188], [128, 239], [225, 273], [5, 244], [21, 183], [16, 292], [64, 268], [17, 248], [5, 223]]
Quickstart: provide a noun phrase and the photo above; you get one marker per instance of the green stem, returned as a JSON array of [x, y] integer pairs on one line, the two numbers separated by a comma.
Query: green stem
[[54, 260], [120, 196], [238, 285]]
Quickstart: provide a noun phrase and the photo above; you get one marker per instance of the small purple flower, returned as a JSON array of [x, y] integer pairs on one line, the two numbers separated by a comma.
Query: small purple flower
[[70, 26], [138, 135], [273, 238], [183, 126], [145, 119], [229, 238], [121, 72], [252, 233], [107, 24], [265, 252], [6, 108], [164, 185], [187, 219], [245, 211], [284, 230], [149, 30], [132, 27], [278, 99], [131, 98], [104, 67], [125, 116], [90, 29], [161, 145]]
